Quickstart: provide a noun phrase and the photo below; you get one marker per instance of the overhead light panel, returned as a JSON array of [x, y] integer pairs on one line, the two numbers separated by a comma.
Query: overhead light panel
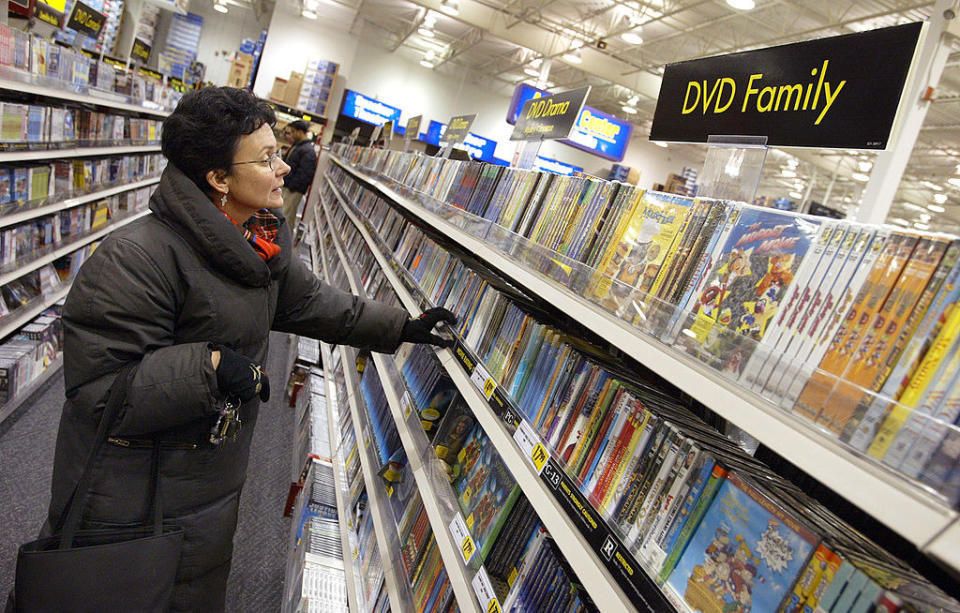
[[307, 13], [859, 176], [633, 37], [788, 173], [921, 226], [864, 166], [426, 63], [450, 7], [660, 143], [630, 110], [939, 198], [425, 32], [796, 195], [742, 5], [912, 206], [220, 7], [530, 70], [901, 221], [954, 181], [936, 208], [933, 186], [573, 56]]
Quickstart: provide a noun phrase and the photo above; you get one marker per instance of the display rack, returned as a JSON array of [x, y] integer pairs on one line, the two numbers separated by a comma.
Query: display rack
[[7, 409], [68, 247], [333, 408], [67, 203], [908, 509], [438, 497], [73, 152], [25, 83], [578, 531], [24, 314]]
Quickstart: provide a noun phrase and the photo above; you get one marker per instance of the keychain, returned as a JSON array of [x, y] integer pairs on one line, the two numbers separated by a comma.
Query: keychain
[[228, 423]]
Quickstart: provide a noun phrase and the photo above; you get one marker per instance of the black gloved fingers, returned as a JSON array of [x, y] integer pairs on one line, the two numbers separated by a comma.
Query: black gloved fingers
[[439, 341], [238, 375], [435, 315]]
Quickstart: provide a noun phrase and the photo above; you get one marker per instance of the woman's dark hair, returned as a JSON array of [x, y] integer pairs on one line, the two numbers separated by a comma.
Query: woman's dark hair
[[203, 133]]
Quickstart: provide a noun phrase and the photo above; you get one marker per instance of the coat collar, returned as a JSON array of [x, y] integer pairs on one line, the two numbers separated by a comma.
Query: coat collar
[[181, 204]]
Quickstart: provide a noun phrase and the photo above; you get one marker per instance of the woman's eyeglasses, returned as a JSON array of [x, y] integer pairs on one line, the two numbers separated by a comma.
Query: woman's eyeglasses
[[268, 162]]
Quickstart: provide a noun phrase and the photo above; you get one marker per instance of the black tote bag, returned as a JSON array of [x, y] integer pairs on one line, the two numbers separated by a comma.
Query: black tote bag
[[122, 569]]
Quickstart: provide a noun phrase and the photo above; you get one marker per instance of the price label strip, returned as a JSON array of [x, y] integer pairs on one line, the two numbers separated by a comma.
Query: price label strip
[[484, 592], [531, 446], [484, 382], [461, 536], [407, 403]]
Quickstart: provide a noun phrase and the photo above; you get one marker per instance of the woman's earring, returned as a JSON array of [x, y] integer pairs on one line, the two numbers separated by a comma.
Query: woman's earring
[[223, 201]]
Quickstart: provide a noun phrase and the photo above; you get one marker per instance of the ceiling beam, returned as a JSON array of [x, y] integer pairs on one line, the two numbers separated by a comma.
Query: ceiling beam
[[548, 44]]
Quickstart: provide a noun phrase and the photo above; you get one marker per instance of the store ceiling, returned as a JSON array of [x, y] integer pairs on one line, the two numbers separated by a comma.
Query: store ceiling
[[491, 42]]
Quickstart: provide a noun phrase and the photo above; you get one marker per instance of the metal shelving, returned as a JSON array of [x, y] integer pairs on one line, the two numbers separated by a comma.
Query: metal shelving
[[26, 83], [565, 529], [40, 211], [75, 152], [910, 510], [68, 247], [438, 497]]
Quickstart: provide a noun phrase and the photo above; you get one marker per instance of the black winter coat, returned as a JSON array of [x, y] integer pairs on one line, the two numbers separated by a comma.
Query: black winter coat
[[159, 292], [302, 160]]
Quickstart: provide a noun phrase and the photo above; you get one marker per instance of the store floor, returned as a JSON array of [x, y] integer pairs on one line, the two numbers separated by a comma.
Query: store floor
[[260, 545]]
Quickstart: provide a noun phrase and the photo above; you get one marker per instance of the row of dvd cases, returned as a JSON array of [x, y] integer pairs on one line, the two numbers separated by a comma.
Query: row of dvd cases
[[597, 553], [45, 238]]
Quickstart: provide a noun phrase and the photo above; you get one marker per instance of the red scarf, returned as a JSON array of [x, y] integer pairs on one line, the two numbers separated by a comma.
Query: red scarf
[[261, 232]]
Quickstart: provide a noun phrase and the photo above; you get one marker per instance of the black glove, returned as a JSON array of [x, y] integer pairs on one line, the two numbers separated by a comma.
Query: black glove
[[238, 375], [420, 330]]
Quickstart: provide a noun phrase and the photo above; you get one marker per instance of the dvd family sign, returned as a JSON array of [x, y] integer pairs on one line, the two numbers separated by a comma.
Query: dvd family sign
[[549, 117], [840, 92]]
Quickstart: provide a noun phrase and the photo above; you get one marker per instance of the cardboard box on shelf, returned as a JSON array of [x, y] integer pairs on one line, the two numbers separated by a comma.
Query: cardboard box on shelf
[[240, 70], [279, 89], [292, 93]]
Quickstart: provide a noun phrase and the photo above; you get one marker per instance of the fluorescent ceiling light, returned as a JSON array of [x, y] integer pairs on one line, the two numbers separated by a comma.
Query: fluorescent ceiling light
[[859, 176], [530, 70], [743, 5], [912, 207], [426, 63], [796, 195], [660, 143], [954, 181], [924, 217], [573, 56], [629, 109], [864, 166], [450, 7], [308, 14], [933, 186], [788, 173], [429, 19], [793, 162], [220, 8], [921, 226], [425, 32], [429, 55], [939, 198], [901, 221], [633, 37]]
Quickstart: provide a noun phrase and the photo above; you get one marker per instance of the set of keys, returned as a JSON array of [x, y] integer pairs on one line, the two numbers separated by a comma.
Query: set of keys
[[228, 423]]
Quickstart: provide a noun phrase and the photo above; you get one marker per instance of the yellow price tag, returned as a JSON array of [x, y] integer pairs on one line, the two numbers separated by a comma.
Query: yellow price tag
[[539, 456], [467, 548], [488, 386], [356, 553]]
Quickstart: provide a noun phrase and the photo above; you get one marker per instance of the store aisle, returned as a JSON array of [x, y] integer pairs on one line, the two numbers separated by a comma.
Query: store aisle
[[260, 545]]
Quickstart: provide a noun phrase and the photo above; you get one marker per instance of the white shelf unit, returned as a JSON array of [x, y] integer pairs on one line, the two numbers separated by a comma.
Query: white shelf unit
[[597, 580], [438, 497], [13, 404], [69, 247], [20, 317], [40, 211], [333, 408], [46, 154], [908, 509], [107, 99]]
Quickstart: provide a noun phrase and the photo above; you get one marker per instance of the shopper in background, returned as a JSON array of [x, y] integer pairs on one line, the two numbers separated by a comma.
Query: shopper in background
[[189, 294], [302, 160]]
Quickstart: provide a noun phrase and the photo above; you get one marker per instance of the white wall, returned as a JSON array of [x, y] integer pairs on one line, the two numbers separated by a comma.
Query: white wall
[[223, 32]]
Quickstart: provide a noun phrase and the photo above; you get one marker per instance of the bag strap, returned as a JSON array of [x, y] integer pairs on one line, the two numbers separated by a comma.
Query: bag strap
[[71, 518]]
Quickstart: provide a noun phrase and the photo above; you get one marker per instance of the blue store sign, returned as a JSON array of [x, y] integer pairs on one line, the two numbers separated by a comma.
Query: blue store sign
[[555, 166], [595, 132], [367, 109]]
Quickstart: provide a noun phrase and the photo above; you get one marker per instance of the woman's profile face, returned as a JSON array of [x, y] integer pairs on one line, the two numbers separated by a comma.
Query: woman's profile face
[[257, 186]]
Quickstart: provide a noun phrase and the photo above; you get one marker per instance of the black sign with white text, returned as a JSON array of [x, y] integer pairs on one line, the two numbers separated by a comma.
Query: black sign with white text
[[549, 117], [842, 91]]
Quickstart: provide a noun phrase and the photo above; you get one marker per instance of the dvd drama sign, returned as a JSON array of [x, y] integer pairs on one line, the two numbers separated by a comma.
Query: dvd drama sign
[[842, 92], [549, 117]]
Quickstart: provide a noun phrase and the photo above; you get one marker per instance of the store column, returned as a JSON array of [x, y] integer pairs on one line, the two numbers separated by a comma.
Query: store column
[[889, 166]]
